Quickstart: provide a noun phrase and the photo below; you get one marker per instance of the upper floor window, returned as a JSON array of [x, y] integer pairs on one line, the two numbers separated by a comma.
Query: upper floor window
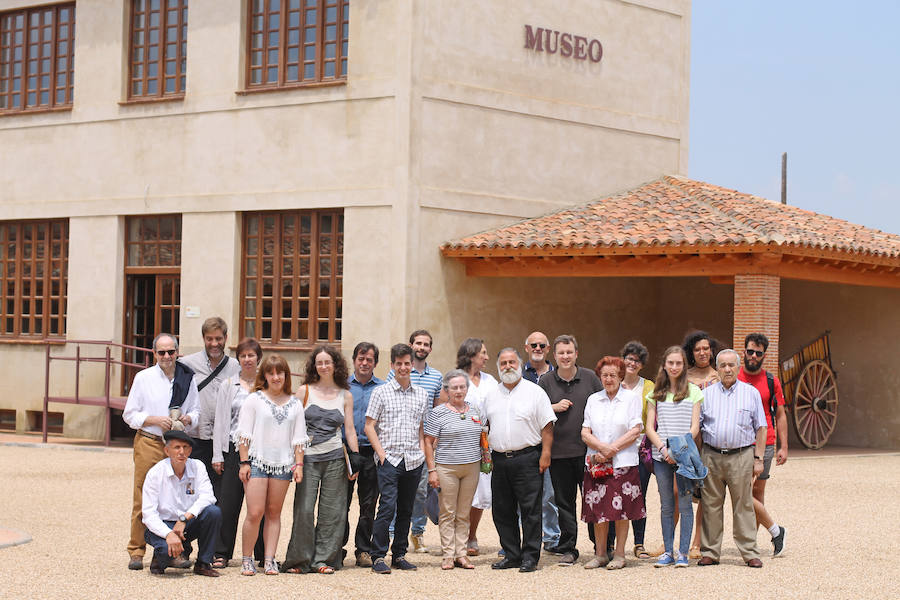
[[158, 59], [297, 42], [37, 51], [33, 275], [292, 276]]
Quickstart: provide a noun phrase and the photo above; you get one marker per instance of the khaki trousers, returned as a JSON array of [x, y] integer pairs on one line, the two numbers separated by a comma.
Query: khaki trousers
[[458, 483], [147, 453], [735, 472]]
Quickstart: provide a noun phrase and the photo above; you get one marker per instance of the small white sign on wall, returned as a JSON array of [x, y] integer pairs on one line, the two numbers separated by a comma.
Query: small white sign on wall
[[192, 312]]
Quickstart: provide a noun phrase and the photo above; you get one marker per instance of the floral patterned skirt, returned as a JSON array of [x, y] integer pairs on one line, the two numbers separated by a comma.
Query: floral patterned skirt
[[615, 497]]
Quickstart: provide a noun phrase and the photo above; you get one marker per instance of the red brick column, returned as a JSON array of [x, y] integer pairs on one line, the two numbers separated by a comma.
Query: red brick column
[[757, 308]]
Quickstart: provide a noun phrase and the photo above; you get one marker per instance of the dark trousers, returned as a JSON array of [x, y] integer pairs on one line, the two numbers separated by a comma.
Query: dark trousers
[[203, 451], [638, 526], [397, 489], [517, 486], [567, 475], [367, 488], [231, 498], [204, 528]]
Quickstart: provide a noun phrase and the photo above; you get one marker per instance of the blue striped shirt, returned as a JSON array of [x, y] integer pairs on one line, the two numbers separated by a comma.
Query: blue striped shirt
[[430, 380], [361, 392], [729, 418]]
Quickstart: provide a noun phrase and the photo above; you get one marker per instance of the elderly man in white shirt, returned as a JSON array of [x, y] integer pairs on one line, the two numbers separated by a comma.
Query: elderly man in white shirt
[[178, 506], [521, 434], [147, 411]]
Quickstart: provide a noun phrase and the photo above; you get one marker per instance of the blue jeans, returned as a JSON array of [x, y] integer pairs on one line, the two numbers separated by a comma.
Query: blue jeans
[[549, 513], [665, 478], [204, 528], [419, 518], [397, 487]]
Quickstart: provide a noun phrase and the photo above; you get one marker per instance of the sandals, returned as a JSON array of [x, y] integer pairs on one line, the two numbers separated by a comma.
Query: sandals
[[219, 562], [447, 564], [641, 552], [293, 570], [472, 547], [596, 562], [325, 570], [618, 562], [271, 567], [463, 563], [694, 552], [247, 566]]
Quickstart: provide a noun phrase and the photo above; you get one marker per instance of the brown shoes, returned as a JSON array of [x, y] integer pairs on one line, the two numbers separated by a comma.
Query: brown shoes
[[754, 563], [205, 569], [707, 561]]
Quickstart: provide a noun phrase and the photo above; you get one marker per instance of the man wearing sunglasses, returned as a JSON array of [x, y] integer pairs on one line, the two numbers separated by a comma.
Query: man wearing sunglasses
[[537, 364], [153, 391], [755, 346]]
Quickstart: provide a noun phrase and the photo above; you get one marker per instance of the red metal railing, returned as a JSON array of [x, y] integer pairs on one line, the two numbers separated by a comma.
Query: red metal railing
[[107, 400]]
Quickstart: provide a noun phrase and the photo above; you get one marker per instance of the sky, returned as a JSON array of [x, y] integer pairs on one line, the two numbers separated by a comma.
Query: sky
[[819, 80]]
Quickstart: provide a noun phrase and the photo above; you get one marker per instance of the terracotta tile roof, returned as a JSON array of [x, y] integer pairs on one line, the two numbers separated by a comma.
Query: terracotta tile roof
[[677, 212]]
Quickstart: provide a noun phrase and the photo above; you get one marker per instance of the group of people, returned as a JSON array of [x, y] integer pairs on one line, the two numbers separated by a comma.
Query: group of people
[[214, 432]]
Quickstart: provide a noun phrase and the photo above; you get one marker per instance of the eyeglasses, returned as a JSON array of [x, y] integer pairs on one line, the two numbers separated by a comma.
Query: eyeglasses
[[631, 359], [757, 353], [166, 352], [535, 346]]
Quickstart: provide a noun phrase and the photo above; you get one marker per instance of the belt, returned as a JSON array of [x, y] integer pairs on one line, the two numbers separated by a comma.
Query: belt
[[525, 450], [152, 436], [727, 451]]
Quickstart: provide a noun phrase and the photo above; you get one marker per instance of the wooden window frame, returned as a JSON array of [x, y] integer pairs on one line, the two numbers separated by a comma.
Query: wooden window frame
[[27, 303], [51, 71], [283, 48], [142, 249], [281, 254], [139, 54]]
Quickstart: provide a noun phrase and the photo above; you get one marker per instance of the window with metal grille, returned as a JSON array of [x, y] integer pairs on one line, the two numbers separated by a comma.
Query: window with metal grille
[[33, 276], [37, 52], [158, 50], [292, 276], [296, 42]]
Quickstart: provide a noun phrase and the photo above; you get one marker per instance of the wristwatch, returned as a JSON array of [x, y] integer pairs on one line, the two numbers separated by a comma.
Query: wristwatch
[[183, 519], [757, 457]]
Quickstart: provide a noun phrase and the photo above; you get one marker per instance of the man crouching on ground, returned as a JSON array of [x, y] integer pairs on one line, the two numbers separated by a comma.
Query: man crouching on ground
[[179, 506]]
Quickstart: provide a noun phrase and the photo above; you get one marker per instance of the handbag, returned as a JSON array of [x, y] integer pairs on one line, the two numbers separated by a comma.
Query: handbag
[[598, 470]]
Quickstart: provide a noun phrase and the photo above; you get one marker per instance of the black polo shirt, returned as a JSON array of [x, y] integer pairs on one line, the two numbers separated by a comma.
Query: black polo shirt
[[567, 430]]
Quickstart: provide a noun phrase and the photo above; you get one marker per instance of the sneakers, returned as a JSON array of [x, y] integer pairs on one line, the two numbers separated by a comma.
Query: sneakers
[[400, 562], [472, 547], [364, 559], [681, 562], [380, 567], [567, 559], [418, 543], [665, 560], [778, 541]]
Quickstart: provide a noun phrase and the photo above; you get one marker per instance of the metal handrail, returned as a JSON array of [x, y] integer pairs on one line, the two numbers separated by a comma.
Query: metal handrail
[[108, 360]]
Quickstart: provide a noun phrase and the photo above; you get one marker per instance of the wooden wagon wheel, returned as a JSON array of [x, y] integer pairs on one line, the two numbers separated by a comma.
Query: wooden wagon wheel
[[815, 404]]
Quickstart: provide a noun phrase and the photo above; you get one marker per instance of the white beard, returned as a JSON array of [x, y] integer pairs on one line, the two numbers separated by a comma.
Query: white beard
[[511, 376]]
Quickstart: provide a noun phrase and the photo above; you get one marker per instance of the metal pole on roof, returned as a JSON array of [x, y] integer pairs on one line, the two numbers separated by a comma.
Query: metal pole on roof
[[784, 178]]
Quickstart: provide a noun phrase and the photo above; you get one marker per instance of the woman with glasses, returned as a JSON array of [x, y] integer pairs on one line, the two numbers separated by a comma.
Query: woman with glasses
[[316, 547], [453, 456]]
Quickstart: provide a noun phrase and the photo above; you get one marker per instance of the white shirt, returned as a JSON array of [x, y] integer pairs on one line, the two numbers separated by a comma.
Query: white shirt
[[517, 416], [609, 419], [166, 498], [206, 398], [272, 432], [475, 396], [150, 395]]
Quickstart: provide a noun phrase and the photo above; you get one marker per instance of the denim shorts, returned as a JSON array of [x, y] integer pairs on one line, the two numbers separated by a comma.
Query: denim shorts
[[767, 461], [257, 473]]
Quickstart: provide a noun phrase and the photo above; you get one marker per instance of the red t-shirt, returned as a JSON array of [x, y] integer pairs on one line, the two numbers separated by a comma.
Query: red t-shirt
[[759, 382]]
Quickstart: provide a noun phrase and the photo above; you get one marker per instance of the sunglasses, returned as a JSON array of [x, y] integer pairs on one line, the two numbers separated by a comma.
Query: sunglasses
[[166, 352], [535, 346], [757, 353]]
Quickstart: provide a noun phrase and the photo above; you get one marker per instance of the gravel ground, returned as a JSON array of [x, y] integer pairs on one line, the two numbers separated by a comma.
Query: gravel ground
[[75, 504]]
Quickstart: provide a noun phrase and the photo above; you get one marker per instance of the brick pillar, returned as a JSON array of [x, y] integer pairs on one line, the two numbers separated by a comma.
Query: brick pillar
[[757, 308]]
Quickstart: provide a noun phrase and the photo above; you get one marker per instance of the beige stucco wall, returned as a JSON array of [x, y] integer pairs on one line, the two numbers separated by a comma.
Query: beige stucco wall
[[446, 126]]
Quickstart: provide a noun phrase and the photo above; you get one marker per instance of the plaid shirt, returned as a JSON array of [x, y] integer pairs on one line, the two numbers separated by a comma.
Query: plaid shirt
[[398, 415]]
